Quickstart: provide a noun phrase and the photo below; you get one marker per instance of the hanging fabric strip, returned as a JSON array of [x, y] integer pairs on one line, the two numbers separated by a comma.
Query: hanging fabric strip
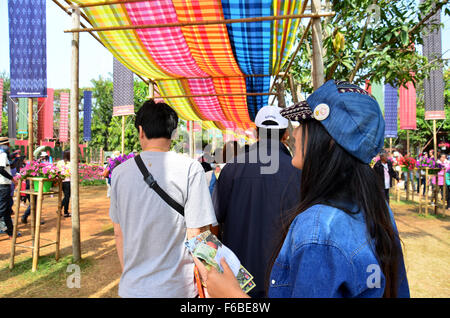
[[408, 107], [390, 111], [378, 94], [123, 81], [434, 84], [87, 102], [12, 119], [45, 116], [28, 48], [23, 116], [64, 117], [251, 43], [1, 103]]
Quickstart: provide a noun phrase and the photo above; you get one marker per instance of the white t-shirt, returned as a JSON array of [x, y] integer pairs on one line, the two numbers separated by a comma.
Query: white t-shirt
[[156, 261], [387, 178], [4, 162]]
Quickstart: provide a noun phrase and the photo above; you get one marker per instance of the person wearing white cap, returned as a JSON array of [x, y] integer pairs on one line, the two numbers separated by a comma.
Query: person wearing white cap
[[248, 193]]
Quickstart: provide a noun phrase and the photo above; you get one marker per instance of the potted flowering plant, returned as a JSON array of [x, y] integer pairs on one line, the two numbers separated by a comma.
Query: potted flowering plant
[[44, 170], [433, 166], [407, 163]]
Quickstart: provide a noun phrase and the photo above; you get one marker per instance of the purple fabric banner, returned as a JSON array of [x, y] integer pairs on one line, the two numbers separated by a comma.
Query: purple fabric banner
[[390, 111], [28, 48], [87, 115]]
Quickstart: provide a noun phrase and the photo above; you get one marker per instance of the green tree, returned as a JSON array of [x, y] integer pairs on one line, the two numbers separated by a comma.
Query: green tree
[[364, 44]]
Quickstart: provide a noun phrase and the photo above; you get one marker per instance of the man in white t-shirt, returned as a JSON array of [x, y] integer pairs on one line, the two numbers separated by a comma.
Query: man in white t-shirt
[[150, 235]]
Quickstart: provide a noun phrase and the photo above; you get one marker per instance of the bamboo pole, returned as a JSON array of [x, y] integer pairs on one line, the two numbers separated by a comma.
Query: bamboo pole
[[30, 129], [219, 95], [123, 135], [436, 187], [16, 225], [58, 220], [317, 47], [426, 191], [38, 227], [203, 23], [74, 158]]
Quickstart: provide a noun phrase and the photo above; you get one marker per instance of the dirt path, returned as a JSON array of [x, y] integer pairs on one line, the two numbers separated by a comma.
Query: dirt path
[[426, 246]]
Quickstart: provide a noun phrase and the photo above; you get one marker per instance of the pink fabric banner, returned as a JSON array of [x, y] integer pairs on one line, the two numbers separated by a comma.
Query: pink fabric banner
[[45, 116], [63, 117], [170, 51], [407, 111]]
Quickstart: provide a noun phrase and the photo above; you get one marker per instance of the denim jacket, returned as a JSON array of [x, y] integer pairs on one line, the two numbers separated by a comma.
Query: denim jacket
[[326, 253]]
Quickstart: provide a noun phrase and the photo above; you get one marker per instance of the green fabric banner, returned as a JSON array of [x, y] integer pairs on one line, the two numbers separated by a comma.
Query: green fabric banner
[[378, 93], [23, 116]]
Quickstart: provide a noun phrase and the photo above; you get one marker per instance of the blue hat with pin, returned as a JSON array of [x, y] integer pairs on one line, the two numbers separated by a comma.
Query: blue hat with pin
[[350, 115]]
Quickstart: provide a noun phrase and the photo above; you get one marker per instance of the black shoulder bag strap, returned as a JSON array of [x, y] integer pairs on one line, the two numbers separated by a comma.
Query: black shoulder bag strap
[[148, 178]]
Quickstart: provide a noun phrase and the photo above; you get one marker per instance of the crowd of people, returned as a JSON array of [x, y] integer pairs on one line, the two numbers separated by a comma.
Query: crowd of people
[[388, 167], [309, 221]]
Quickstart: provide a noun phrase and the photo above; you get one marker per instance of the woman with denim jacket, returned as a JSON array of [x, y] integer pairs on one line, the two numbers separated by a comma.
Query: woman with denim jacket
[[342, 240]]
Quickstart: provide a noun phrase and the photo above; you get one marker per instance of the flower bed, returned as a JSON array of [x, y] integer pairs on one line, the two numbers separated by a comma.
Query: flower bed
[[91, 174]]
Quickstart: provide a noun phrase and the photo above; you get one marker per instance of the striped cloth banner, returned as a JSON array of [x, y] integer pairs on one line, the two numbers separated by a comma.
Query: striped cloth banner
[[1, 103], [390, 111], [87, 115], [251, 43], [64, 117], [434, 85], [12, 118], [45, 116], [378, 94], [23, 116], [28, 48], [408, 107], [123, 81]]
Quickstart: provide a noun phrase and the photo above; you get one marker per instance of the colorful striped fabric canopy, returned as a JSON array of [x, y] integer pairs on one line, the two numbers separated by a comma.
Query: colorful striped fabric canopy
[[215, 59]]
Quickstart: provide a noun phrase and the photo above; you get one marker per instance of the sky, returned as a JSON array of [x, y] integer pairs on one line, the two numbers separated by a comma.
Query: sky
[[95, 60]]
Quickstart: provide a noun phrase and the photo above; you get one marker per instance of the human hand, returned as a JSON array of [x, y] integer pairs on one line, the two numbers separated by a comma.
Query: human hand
[[220, 285]]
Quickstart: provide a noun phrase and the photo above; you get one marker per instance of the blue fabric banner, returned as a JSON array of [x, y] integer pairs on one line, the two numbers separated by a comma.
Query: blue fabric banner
[[251, 46], [390, 111], [28, 48], [87, 115]]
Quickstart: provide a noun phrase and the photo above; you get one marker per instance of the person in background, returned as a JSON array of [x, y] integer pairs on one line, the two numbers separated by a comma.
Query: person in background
[[6, 179], [65, 164], [247, 200], [441, 175], [421, 174], [386, 173], [342, 230], [447, 183], [149, 233]]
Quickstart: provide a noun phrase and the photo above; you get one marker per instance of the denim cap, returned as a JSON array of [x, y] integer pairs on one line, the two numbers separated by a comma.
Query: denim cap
[[350, 115]]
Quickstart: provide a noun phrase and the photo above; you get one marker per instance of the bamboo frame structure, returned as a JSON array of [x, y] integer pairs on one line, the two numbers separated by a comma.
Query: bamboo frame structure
[[202, 23], [36, 223]]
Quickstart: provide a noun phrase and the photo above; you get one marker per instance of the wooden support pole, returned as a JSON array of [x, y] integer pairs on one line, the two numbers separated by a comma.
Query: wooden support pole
[[30, 129], [74, 158], [123, 135], [37, 234], [204, 22], [390, 146], [436, 186], [317, 47], [426, 191]]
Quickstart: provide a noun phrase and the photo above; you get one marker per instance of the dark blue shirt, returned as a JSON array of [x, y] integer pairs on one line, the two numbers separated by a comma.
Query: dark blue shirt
[[250, 203]]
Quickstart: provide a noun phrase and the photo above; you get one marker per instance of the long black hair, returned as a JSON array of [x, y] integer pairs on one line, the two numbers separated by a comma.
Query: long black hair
[[329, 175]]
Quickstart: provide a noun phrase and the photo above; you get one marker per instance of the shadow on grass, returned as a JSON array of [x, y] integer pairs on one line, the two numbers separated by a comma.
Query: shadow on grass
[[50, 271]]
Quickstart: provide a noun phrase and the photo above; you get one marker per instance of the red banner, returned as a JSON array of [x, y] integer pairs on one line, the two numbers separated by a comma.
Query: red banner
[[63, 117], [408, 119], [45, 116]]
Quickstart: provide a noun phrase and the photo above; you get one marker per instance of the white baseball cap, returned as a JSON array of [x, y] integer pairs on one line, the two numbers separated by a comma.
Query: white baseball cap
[[271, 113]]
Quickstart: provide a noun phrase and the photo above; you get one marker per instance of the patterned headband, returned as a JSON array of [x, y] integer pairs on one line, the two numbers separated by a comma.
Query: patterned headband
[[302, 111]]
